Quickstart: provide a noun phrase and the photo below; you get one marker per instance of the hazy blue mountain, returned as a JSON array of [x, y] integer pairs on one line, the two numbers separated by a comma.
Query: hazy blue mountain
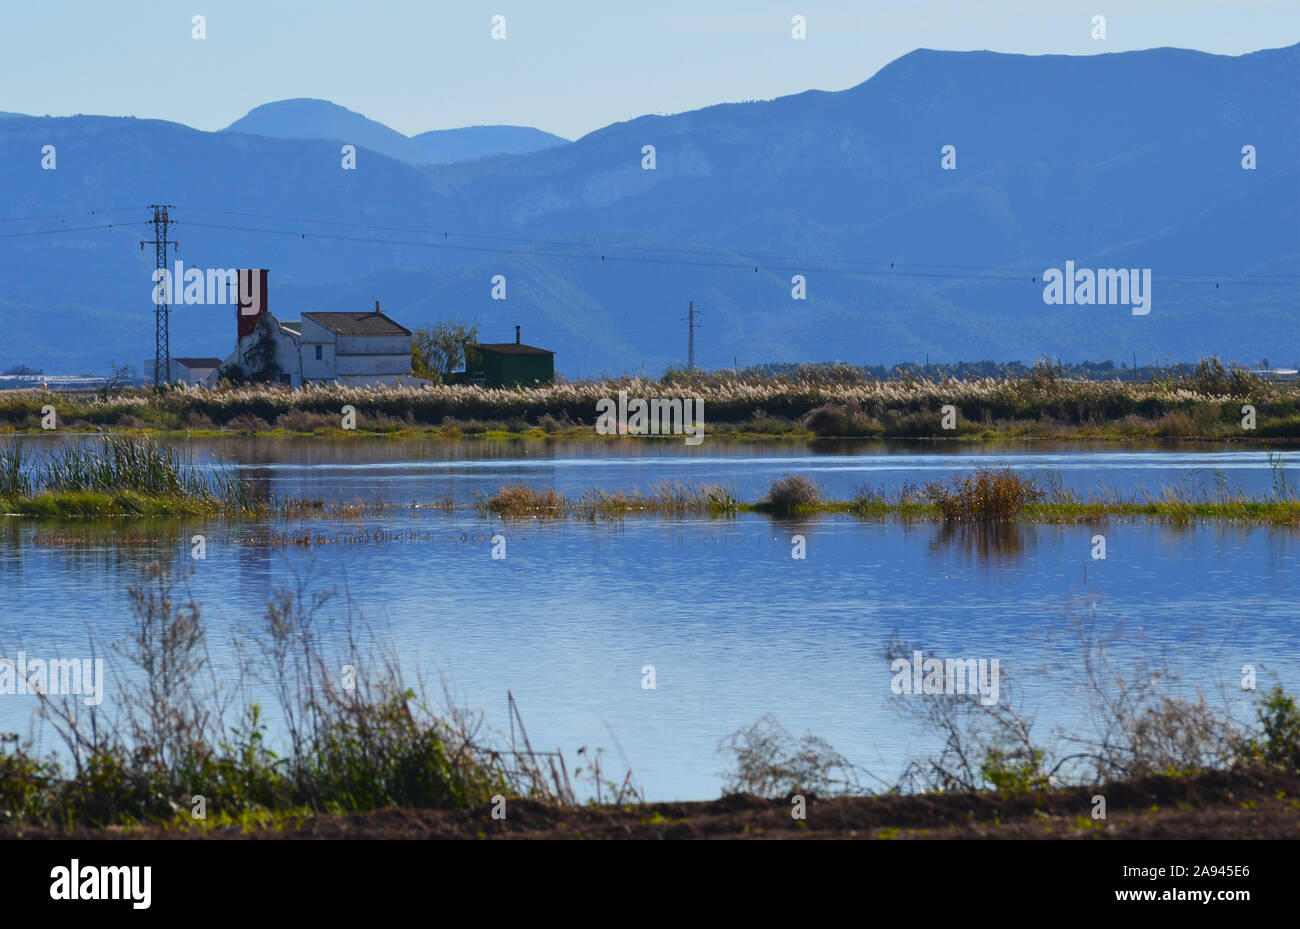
[[1128, 160], [451, 145], [319, 119], [304, 118]]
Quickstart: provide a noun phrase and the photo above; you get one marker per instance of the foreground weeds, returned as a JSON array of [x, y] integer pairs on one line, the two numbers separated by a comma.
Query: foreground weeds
[[1142, 725], [181, 750]]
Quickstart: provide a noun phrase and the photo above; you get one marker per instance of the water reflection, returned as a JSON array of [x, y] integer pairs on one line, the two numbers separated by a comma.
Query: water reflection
[[734, 626], [992, 541], [424, 469]]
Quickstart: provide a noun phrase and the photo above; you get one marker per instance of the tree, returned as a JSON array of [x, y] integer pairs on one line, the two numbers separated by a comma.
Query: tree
[[113, 384], [439, 349], [259, 357]]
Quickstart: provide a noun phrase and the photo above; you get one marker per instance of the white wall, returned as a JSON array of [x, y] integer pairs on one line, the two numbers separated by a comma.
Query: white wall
[[375, 345], [373, 364], [314, 334], [286, 349]]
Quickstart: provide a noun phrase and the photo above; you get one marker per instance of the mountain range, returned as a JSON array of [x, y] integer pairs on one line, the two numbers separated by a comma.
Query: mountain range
[[906, 248], [319, 119]]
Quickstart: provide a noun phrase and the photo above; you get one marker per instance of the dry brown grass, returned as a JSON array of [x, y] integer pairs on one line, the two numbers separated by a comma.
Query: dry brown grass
[[833, 404], [519, 501], [985, 496], [792, 493]]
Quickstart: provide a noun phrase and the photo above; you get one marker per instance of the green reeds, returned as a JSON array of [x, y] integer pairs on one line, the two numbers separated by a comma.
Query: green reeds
[[982, 497], [116, 474]]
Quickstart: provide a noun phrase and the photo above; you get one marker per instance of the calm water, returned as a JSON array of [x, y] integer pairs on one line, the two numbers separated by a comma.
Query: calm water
[[734, 626], [420, 470]]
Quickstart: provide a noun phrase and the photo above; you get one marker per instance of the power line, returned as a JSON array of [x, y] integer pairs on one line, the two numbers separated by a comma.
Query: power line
[[924, 270], [24, 219], [562, 243], [47, 294], [1011, 272], [14, 269], [1002, 274], [879, 269], [19, 235]]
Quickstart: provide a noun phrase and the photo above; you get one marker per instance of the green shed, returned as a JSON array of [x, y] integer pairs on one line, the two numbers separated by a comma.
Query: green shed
[[505, 364]]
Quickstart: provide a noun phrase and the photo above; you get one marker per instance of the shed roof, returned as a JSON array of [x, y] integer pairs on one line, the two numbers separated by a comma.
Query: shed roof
[[373, 323], [198, 362], [513, 348]]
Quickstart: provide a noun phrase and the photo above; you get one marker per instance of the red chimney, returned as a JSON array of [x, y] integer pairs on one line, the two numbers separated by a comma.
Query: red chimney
[[251, 299]]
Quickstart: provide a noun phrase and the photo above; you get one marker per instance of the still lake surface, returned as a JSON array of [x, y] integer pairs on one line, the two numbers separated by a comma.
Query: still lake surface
[[734, 626]]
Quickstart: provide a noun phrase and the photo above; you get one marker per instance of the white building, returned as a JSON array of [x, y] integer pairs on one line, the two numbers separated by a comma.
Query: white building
[[354, 348], [361, 349], [184, 370]]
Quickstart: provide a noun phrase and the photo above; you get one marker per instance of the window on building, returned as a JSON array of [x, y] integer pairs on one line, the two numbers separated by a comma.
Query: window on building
[[319, 351]]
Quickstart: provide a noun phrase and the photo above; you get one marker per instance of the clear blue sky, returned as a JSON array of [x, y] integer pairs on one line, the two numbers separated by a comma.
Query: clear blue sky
[[566, 67]]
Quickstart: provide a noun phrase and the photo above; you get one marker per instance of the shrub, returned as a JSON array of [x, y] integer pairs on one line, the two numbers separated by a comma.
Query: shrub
[[305, 421], [378, 755], [196, 420], [770, 762], [1016, 768], [520, 500], [792, 493], [839, 419], [1280, 720], [548, 423], [248, 423], [984, 496]]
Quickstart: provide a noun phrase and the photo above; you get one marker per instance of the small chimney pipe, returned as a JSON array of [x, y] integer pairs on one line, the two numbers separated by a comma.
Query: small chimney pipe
[[516, 335]]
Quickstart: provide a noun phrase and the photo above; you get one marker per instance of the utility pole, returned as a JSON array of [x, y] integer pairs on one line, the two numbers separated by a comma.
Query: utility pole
[[690, 351], [162, 356]]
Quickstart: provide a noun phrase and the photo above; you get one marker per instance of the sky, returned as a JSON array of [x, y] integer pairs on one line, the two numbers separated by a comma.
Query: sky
[[565, 67]]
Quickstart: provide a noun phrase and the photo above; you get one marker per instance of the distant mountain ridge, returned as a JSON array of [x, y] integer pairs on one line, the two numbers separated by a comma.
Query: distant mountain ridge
[[1127, 160], [305, 118], [473, 142]]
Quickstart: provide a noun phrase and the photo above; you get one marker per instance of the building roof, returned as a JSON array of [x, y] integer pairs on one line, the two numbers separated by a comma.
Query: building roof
[[513, 348], [373, 323], [198, 362]]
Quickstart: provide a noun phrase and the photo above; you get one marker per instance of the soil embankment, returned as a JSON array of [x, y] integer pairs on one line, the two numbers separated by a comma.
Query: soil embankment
[[1218, 805]]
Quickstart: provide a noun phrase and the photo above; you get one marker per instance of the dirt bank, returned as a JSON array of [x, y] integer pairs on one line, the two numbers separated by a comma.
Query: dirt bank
[[1221, 805]]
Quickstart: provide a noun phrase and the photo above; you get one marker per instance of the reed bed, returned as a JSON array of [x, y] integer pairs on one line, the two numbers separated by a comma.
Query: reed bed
[[815, 399], [981, 497], [116, 474], [519, 501]]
